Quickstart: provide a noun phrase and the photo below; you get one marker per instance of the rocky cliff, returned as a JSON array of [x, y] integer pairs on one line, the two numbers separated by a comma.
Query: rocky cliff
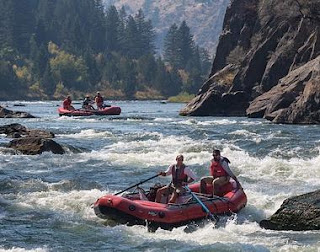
[[267, 63]]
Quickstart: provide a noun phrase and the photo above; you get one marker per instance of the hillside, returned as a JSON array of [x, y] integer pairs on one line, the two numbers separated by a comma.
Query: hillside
[[204, 17], [267, 64]]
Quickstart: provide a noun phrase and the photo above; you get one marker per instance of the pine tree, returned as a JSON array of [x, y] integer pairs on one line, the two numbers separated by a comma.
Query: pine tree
[[131, 42], [128, 78], [112, 29], [47, 81], [171, 47], [147, 67], [185, 44], [146, 34], [6, 24]]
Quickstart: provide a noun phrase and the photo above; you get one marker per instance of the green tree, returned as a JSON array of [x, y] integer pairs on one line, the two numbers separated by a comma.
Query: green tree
[[146, 34], [171, 47], [185, 44], [69, 70], [128, 77], [47, 81], [112, 29]]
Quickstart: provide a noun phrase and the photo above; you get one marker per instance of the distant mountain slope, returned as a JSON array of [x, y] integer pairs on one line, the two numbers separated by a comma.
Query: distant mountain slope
[[204, 17]]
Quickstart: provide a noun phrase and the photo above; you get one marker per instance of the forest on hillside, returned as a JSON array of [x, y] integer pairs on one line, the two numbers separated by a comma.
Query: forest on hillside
[[50, 48]]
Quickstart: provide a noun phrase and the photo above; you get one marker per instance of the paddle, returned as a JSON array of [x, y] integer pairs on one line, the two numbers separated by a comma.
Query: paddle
[[211, 216], [141, 182]]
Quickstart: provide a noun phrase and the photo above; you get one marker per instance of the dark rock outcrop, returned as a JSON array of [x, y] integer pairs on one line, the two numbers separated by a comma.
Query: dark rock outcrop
[[297, 213], [35, 145], [17, 130], [296, 99], [6, 113], [266, 62], [30, 141]]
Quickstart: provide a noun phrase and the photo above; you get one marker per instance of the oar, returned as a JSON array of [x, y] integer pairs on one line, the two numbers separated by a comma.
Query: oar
[[211, 216], [141, 182]]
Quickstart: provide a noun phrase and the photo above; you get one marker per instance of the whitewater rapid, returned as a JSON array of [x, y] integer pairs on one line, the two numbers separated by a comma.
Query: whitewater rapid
[[45, 201]]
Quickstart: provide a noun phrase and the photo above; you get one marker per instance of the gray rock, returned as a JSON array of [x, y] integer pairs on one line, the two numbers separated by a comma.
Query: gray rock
[[6, 113], [35, 145], [297, 213], [296, 99], [30, 141], [15, 130], [274, 73]]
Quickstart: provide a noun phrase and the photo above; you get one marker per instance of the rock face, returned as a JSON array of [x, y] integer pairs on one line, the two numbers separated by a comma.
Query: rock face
[[266, 64], [297, 213], [30, 141], [6, 113]]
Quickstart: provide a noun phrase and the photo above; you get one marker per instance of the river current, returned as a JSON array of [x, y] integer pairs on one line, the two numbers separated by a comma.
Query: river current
[[45, 200]]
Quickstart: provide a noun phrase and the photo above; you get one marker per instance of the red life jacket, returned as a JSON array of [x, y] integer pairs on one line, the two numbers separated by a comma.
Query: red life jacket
[[217, 170], [178, 175], [66, 104]]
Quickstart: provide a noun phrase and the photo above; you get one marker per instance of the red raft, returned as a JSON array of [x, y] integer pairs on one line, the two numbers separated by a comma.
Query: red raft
[[113, 110], [140, 209]]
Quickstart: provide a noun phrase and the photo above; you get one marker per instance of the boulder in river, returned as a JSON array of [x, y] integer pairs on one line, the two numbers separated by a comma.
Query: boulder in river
[[17, 130], [6, 113], [298, 213], [35, 145], [30, 141]]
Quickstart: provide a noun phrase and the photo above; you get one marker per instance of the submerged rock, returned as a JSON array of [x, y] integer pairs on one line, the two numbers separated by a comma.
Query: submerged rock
[[297, 213], [6, 113]]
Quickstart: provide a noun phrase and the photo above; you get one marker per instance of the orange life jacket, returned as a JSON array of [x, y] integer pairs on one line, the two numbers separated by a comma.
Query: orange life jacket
[[217, 170], [178, 175]]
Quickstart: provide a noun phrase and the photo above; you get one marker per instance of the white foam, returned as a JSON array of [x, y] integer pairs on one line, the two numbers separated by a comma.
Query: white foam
[[73, 203], [89, 133], [16, 249]]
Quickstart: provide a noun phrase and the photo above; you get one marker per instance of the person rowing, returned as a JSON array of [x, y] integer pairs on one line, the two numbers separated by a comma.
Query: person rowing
[[86, 104], [181, 176]]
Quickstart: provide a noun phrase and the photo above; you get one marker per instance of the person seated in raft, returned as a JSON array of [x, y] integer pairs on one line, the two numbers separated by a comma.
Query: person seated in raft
[[220, 174], [181, 176], [99, 101], [67, 103], [86, 104]]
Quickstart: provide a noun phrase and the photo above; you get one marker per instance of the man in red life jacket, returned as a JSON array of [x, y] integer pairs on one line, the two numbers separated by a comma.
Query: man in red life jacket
[[181, 176], [220, 174], [67, 103], [99, 101]]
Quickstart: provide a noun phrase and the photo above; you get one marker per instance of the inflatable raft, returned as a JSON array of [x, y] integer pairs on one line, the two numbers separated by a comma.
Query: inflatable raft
[[139, 208], [113, 110]]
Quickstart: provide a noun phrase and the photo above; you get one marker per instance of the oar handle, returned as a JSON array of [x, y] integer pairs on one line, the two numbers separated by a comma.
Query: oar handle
[[141, 182], [204, 207]]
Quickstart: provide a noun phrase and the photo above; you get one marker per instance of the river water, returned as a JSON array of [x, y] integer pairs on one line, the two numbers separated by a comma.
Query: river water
[[45, 200]]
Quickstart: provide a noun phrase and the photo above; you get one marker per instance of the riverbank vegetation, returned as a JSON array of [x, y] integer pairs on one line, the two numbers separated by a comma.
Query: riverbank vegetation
[[50, 48]]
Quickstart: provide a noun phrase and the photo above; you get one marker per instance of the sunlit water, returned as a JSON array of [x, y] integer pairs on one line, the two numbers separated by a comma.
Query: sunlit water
[[45, 201]]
